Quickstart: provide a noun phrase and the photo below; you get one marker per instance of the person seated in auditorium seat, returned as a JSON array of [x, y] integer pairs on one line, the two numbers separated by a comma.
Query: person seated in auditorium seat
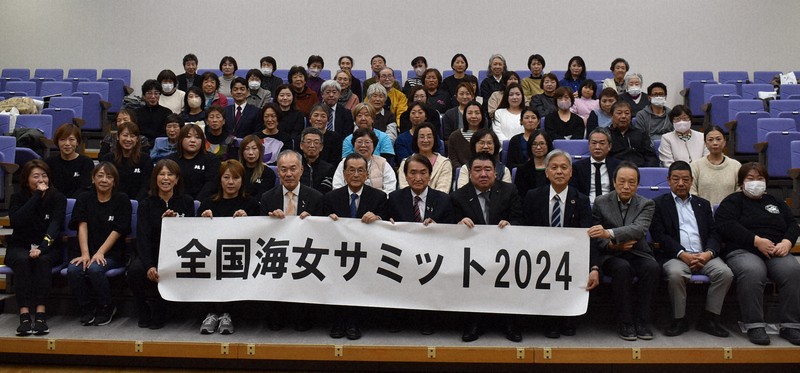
[[304, 97], [381, 174], [491, 84], [619, 68], [346, 64], [594, 176], [621, 219], [314, 82], [566, 208], [70, 170], [396, 100], [633, 93], [152, 117], [364, 115], [171, 97], [211, 92], [331, 148], [198, 168], [683, 226], [484, 140], [601, 117], [164, 200], [194, 108], [342, 119], [290, 120], [258, 178], [654, 118], [545, 103], [219, 141], [487, 201], [102, 217], [682, 144], [563, 124], [230, 200], [110, 141], [189, 77], [228, 66], [257, 96], [459, 64], [497, 96], [355, 200], [507, 117], [165, 146], [317, 172], [438, 98], [452, 119], [420, 65], [133, 164], [290, 198], [270, 82], [531, 174], [241, 118], [376, 64], [347, 97], [629, 143], [425, 143], [532, 85], [519, 148]]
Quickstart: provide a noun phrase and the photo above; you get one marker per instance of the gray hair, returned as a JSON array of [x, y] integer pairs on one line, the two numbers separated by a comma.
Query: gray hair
[[375, 89], [330, 84], [630, 75], [603, 131], [555, 153], [289, 153], [500, 56]]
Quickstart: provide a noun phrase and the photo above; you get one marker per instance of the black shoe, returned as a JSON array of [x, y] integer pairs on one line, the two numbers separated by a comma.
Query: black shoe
[[567, 327], [678, 327], [105, 314], [513, 333], [40, 324], [471, 333], [711, 326], [302, 325], [24, 327], [758, 336], [791, 334], [427, 327], [352, 332], [627, 332], [643, 331], [337, 331], [552, 330], [87, 316], [145, 315]]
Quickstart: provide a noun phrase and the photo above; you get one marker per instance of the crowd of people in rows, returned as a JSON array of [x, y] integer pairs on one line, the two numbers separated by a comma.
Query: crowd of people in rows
[[429, 153]]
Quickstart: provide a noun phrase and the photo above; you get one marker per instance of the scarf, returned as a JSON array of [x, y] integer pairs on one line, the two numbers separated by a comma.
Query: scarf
[[345, 96]]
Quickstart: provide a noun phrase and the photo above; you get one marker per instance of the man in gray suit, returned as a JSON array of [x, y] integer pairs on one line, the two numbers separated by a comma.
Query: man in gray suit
[[621, 219]]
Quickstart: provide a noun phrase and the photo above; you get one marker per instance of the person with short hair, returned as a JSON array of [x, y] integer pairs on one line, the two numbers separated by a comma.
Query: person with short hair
[[563, 124], [758, 231], [531, 174], [545, 102], [633, 93], [629, 143], [194, 108], [228, 66], [594, 176], [347, 97], [519, 150], [621, 219], [133, 164], [219, 141], [171, 97], [189, 78], [380, 175], [272, 138], [346, 64], [376, 64], [152, 117], [586, 101], [425, 142], [330, 150], [164, 146], [211, 93], [490, 84], [684, 143], [420, 66], [364, 115], [257, 96], [241, 118], [315, 65], [619, 68], [71, 171], [683, 226], [270, 82], [384, 119], [485, 141], [532, 85], [450, 84], [339, 116], [438, 98], [452, 119], [601, 117], [304, 97], [655, 119], [109, 141], [102, 218], [317, 171], [398, 103], [575, 75]]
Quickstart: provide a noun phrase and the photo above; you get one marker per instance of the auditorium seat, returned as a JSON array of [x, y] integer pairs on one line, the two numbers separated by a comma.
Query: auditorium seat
[[744, 133], [651, 192], [8, 146], [16, 74], [215, 71], [793, 115], [20, 88], [653, 176], [68, 102], [764, 77], [788, 90], [123, 74], [80, 75], [599, 74], [578, 148], [774, 153], [40, 121], [281, 73], [55, 88], [504, 152], [694, 96], [738, 105], [737, 78], [60, 116], [359, 74], [46, 75], [750, 91], [95, 104], [794, 174], [692, 76], [778, 106], [717, 96]]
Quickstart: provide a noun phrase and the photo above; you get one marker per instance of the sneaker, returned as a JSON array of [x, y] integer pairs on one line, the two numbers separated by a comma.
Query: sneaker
[[87, 316], [40, 324], [758, 336], [24, 327], [643, 331], [225, 324], [210, 324], [791, 334], [627, 332], [105, 314]]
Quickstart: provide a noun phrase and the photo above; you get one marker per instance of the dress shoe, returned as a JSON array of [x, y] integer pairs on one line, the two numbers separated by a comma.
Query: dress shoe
[[551, 331], [758, 336], [567, 327], [643, 331], [337, 331], [513, 333], [678, 327], [471, 333], [791, 334], [427, 327], [352, 332], [710, 325], [302, 325], [627, 331]]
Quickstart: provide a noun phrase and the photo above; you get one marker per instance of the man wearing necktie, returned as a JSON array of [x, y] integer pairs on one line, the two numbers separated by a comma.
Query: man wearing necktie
[[242, 119], [592, 176], [340, 120], [360, 201], [486, 201], [559, 205]]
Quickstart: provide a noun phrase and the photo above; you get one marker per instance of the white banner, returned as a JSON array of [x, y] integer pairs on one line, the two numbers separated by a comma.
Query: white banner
[[520, 270]]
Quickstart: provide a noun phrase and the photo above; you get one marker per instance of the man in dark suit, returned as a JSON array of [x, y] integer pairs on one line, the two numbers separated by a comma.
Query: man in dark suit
[[189, 78], [487, 201], [683, 226], [627, 142], [290, 199], [354, 200], [340, 120], [586, 176], [621, 219], [559, 205], [242, 119]]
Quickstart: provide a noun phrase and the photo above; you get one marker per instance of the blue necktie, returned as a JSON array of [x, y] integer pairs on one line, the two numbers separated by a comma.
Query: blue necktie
[[353, 207], [555, 219]]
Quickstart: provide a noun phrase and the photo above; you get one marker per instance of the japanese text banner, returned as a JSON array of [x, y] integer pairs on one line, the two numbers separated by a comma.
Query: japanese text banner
[[521, 270]]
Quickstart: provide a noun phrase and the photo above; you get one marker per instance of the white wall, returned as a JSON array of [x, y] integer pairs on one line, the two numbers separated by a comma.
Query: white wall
[[659, 38]]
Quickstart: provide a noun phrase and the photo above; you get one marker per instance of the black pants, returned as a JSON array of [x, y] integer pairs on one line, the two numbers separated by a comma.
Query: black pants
[[141, 286], [622, 269], [32, 277]]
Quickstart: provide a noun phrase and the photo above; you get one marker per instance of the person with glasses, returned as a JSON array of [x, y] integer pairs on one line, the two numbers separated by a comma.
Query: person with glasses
[[531, 175], [381, 175], [519, 145], [317, 172], [485, 141], [339, 118], [364, 115], [152, 117]]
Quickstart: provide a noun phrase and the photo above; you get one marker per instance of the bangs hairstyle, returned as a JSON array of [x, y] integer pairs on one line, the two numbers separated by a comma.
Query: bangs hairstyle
[[231, 60], [131, 113], [414, 90], [479, 135], [415, 137], [579, 60], [463, 57], [504, 101], [199, 92], [464, 116], [190, 127], [236, 169], [108, 168], [278, 91], [466, 86], [173, 168], [28, 168], [67, 130], [210, 75], [435, 73], [550, 76], [591, 84], [749, 166], [136, 152], [548, 141], [259, 168]]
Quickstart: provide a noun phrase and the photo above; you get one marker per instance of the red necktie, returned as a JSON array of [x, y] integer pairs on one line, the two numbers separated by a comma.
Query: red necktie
[[238, 114]]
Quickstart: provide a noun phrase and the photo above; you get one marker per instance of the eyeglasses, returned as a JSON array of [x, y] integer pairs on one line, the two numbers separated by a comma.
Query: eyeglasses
[[539, 144], [356, 171], [363, 142], [312, 142]]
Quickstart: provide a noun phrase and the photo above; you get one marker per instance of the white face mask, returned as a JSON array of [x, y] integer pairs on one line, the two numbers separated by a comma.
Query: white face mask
[[682, 126], [194, 102], [419, 71], [658, 101], [564, 105], [313, 72], [254, 84], [755, 188], [267, 71], [635, 90], [167, 87]]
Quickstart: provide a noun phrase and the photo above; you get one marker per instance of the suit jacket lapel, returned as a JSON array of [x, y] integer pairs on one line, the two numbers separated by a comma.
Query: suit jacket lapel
[[476, 205], [569, 207]]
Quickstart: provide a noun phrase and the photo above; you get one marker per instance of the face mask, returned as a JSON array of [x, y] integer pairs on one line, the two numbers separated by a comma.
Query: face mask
[[635, 91], [419, 71], [167, 87], [659, 101], [564, 105], [266, 71], [755, 188], [313, 72], [682, 126], [254, 84], [194, 102]]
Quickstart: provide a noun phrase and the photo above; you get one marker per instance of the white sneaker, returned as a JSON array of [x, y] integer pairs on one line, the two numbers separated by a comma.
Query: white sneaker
[[225, 324], [210, 324]]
